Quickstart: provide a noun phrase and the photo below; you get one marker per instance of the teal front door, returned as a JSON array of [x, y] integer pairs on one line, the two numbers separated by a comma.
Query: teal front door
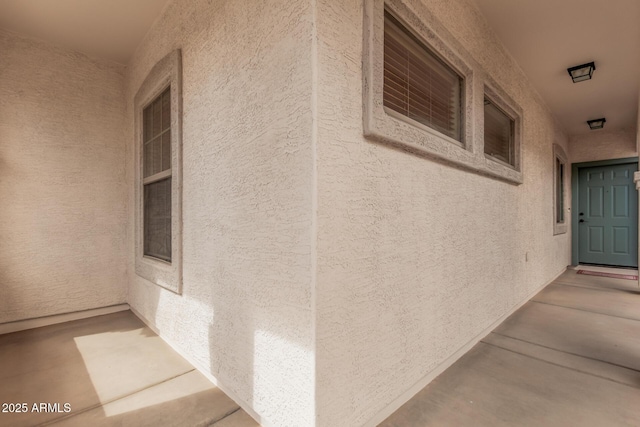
[[608, 215]]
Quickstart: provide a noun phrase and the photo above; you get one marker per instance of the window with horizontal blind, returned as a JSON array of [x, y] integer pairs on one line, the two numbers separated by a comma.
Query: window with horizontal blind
[[499, 141], [418, 84], [422, 89], [158, 175], [156, 126]]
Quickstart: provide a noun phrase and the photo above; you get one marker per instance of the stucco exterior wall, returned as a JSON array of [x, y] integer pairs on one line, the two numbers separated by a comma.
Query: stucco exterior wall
[[62, 181], [417, 258], [602, 145], [245, 313]]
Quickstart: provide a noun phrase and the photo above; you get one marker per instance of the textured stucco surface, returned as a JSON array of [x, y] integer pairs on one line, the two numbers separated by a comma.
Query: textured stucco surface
[[62, 181], [602, 145], [245, 313], [415, 258]]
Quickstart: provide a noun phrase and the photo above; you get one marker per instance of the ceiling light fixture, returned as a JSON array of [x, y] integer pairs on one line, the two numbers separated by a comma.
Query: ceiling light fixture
[[597, 123], [582, 72]]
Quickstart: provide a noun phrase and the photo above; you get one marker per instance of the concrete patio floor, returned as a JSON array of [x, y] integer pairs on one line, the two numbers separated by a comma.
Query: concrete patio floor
[[569, 357], [112, 370]]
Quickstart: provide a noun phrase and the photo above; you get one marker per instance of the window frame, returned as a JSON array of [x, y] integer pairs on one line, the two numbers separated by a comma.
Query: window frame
[[386, 126], [166, 73], [510, 143], [418, 48], [506, 105], [560, 156], [154, 178]]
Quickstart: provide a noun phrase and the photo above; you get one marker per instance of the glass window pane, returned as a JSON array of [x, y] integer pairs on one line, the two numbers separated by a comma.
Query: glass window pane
[[156, 133], [146, 163], [157, 219], [559, 191], [157, 117], [498, 133], [152, 157], [147, 123], [166, 109], [166, 151], [418, 84]]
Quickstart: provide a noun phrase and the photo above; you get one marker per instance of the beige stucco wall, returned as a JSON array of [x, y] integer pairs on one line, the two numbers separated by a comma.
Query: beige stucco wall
[[62, 181], [416, 258], [245, 314], [602, 145]]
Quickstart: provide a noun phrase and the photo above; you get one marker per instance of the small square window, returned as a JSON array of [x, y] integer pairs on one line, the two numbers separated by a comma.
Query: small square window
[[418, 84], [498, 133]]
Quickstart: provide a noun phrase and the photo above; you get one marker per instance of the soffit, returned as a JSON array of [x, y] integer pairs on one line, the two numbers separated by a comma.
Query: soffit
[[107, 29], [548, 36]]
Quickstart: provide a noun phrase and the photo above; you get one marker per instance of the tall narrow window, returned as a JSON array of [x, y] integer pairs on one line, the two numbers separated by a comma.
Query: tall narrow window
[[498, 133], [157, 177], [417, 84], [560, 178], [559, 191]]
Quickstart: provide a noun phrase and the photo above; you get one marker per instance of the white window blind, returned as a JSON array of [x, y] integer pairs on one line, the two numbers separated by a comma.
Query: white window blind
[[418, 84], [498, 133]]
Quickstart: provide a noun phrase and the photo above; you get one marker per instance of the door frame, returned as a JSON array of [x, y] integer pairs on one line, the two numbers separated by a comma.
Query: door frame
[[575, 167]]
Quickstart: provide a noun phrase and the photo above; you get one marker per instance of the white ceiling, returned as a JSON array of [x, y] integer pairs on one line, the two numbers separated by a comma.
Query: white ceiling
[[544, 36], [109, 29], [548, 36]]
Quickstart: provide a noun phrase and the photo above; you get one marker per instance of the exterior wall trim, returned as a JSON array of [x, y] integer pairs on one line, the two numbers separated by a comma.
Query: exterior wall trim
[[229, 392], [39, 322]]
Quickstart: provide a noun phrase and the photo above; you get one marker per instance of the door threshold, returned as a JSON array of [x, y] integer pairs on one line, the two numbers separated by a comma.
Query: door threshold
[[603, 269]]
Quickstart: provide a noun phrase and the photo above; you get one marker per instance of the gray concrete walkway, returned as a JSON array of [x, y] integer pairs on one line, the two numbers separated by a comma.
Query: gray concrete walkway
[[568, 357], [110, 371]]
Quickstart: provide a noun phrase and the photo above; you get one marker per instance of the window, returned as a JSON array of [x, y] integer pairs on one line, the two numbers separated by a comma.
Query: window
[[498, 133], [156, 125], [417, 84], [423, 91], [158, 176], [559, 190]]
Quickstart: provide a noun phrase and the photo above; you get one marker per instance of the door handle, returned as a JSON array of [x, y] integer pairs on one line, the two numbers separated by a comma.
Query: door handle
[[582, 220]]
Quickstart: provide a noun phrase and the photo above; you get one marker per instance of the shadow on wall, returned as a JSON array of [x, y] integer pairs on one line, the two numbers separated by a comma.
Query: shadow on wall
[[231, 347], [229, 330], [256, 333]]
